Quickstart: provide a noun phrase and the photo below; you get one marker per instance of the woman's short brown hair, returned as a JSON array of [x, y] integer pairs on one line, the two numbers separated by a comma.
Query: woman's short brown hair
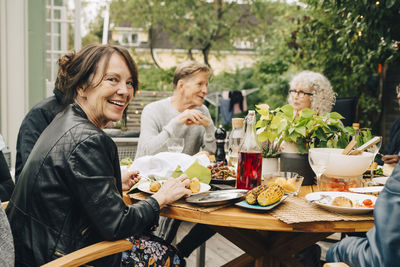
[[77, 69], [188, 68]]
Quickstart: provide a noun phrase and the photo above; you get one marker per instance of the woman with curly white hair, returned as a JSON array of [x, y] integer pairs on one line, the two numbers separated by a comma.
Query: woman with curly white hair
[[313, 90]]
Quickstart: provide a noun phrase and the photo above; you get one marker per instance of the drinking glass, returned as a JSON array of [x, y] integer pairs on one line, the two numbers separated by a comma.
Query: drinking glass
[[175, 145], [318, 162], [374, 150]]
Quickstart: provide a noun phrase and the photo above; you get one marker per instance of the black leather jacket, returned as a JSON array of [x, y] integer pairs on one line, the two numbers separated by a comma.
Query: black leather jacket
[[34, 123], [69, 194]]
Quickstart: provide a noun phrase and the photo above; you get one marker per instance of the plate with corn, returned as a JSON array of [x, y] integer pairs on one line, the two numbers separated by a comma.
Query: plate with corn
[[263, 197]]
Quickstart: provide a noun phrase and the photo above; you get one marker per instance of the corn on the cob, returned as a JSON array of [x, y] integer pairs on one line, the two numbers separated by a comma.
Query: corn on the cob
[[271, 195], [251, 196]]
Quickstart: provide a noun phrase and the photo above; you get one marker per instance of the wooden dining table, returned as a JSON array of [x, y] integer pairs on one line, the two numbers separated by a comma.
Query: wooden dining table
[[266, 240]]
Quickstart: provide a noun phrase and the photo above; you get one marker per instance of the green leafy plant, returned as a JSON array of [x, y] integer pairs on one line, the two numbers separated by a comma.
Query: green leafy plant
[[270, 149], [306, 129]]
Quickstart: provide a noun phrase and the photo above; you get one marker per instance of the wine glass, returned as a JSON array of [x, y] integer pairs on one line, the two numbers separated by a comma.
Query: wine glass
[[318, 162], [374, 150], [175, 144]]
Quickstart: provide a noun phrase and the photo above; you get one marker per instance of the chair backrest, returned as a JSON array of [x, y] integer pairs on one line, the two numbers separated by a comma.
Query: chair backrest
[[347, 107]]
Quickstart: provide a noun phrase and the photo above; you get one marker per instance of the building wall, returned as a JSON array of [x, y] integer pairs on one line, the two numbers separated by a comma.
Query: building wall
[[13, 68], [225, 61]]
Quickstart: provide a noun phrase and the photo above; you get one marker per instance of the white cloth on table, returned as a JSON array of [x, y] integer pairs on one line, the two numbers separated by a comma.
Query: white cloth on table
[[164, 164]]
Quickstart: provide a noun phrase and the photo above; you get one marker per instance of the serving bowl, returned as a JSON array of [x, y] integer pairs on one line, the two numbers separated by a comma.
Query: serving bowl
[[340, 165]]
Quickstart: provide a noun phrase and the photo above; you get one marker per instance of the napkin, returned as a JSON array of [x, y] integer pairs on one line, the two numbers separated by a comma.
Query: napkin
[[195, 170], [163, 164]]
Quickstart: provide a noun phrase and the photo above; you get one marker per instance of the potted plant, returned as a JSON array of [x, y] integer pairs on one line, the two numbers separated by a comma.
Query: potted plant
[[270, 151], [301, 132]]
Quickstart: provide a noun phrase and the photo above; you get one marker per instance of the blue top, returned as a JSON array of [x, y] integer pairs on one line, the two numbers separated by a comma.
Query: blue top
[[381, 246]]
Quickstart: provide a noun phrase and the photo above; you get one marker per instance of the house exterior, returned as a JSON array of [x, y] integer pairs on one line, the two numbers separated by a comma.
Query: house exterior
[[33, 34]]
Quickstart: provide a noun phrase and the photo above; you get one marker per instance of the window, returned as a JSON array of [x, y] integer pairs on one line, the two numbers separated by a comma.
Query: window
[[56, 38], [129, 38]]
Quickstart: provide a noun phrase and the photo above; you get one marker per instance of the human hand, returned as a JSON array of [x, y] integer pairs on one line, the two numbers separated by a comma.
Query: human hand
[[172, 190], [193, 116], [389, 159], [129, 178]]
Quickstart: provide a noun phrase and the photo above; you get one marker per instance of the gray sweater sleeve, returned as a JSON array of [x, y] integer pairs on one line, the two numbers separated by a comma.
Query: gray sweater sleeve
[[209, 136], [153, 135]]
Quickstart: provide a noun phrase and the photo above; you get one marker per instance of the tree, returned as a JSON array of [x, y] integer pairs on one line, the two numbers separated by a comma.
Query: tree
[[348, 41], [141, 14], [191, 24], [95, 33]]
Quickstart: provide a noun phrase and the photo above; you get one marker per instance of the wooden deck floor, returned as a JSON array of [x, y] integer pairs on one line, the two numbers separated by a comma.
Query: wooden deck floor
[[218, 249]]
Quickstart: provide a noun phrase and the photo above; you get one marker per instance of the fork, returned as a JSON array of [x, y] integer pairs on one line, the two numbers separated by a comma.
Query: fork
[[322, 197]]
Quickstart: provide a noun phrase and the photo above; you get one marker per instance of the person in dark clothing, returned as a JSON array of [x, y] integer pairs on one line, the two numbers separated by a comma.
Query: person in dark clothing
[[34, 123], [392, 149], [6, 182], [381, 246], [69, 193]]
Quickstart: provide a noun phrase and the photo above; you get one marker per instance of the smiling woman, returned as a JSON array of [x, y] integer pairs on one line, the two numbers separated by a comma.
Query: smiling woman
[[69, 193], [111, 93]]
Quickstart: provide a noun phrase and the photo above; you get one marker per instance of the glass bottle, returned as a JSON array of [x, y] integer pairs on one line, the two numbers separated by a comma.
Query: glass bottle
[[356, 127], [220, 135], [234, 141], [250, 156]]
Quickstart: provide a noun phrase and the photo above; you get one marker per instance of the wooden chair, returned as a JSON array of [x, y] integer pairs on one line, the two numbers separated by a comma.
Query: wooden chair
[[88, 254], [335, 264]]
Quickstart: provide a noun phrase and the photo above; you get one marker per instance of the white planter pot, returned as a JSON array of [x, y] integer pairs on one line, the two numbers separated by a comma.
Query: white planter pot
[[270, 165], [288, 147]]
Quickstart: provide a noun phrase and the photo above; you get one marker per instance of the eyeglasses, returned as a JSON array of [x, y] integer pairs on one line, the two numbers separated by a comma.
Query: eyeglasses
[[398, 89], [299, 93]]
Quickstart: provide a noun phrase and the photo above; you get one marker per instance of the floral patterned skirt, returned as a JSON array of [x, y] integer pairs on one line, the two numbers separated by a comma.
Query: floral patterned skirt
[[149, 250]]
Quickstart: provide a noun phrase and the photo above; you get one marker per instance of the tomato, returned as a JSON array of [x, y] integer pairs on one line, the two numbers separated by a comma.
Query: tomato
[[368, 203]]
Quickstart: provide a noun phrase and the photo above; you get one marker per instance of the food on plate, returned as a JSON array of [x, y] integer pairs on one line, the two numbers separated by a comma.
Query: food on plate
[[194, 185], [251, 196], [221, 172], [126, 161], [155, 186], [272, 194], [368, 203], [289, 185], [379, 171], [342, 202]]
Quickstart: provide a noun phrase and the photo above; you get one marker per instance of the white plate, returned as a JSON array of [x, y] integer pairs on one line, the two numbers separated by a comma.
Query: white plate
[[326, 203], [380, 180], [366, 190], [145, 187]]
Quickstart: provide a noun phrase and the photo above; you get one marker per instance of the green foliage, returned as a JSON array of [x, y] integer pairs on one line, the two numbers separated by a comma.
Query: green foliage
[[155, 79], [347, 40], [307, 129]]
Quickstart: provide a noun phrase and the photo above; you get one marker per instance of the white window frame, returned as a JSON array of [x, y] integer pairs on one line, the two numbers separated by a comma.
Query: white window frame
[[53, 53]]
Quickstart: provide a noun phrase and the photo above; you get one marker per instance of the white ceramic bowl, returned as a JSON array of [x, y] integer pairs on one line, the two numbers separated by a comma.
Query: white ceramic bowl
[[344, 165]]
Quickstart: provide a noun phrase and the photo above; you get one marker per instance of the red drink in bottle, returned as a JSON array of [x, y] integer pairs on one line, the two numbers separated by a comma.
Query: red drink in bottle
[[250, 156], [249, 170]]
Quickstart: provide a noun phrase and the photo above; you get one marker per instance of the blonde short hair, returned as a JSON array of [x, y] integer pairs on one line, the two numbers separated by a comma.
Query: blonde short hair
[[323, 97], [189, 68]]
